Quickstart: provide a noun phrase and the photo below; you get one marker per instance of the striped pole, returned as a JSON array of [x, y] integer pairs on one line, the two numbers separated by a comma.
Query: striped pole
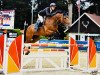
[[53, 45]]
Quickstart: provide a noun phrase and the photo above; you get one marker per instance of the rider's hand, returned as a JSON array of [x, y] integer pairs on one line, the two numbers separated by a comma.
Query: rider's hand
[[49, 15]]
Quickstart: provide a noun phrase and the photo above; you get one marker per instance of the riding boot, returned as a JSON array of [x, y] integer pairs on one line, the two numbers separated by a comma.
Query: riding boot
[[37, 25]]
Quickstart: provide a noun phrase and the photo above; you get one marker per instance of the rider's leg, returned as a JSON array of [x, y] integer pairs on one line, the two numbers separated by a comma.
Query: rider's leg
[[40, 20], [37, 24]]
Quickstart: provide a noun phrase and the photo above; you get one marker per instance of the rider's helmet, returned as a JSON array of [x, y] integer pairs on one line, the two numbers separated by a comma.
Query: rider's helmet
[[53, 4]]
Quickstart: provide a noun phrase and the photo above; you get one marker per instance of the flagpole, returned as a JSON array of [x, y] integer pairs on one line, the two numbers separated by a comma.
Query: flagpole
[[1, 4], [79, 21], [32, 11]]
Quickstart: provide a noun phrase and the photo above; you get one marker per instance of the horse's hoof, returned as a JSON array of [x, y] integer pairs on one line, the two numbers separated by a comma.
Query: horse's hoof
[[27, 52], [50, 38]]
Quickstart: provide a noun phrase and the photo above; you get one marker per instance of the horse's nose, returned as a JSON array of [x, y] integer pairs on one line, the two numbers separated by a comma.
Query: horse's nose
[[69, 22]]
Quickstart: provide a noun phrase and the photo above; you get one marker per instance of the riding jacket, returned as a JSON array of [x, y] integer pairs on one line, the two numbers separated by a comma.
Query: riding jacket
[[46, 12]]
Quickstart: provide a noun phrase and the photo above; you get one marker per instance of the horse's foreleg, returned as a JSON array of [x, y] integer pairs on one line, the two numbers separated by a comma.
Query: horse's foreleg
[[28, 38], [35, 38]]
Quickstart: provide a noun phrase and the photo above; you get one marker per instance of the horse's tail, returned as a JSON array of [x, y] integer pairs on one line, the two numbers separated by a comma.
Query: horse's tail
[[25, 33]]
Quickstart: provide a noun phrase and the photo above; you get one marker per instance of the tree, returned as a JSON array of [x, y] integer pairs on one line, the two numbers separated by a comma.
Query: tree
[[70, 9]]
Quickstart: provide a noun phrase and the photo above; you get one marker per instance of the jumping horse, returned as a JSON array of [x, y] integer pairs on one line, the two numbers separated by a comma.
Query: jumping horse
[[49, 27]]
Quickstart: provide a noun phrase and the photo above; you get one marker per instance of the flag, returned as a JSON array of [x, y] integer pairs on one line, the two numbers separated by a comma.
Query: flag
[[78, 5]]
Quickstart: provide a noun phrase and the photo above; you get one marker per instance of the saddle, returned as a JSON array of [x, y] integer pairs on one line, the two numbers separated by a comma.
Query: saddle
[[38, 25]]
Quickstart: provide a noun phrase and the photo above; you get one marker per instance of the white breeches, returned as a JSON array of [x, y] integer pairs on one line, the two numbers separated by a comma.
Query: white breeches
[[40, 18]]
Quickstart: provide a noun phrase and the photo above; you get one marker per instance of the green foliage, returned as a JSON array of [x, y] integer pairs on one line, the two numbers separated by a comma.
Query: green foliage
[[43, 37], [15, 31]]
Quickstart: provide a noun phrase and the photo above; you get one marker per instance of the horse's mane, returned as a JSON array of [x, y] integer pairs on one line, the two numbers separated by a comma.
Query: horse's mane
[[55, 15], [59, 12]]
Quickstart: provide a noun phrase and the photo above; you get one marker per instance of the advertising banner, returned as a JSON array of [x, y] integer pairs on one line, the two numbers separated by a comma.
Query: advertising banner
[[7, 19]]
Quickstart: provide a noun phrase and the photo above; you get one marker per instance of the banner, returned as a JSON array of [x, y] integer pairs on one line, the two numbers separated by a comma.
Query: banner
[[10, 37], [7, 19]]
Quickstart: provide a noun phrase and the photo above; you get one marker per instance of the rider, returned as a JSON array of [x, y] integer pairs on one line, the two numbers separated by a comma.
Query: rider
[[47, 12]]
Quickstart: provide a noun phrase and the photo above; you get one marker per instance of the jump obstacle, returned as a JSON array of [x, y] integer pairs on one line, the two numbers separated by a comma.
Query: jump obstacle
[[11, 59]]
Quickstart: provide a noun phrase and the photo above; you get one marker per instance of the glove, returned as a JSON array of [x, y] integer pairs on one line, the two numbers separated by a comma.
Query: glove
[[49, 15]]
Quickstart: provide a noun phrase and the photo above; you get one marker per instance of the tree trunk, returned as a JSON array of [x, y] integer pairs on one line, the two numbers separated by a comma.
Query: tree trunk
[[70, 6]]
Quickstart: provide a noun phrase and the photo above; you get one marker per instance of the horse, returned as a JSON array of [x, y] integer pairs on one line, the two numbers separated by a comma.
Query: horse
[[49, 27]]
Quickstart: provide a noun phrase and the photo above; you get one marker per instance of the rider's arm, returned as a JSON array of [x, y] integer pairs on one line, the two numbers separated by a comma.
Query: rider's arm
[[52, 14], [42, 12], [47, 10]]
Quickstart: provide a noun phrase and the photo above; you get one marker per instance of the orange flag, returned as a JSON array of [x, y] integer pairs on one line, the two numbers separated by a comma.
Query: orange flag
[[1, 50], [14, 55], [73, 52], [92, 54]]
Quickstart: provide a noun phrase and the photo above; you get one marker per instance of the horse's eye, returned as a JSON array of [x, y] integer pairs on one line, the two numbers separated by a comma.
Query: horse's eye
[[65, 18]]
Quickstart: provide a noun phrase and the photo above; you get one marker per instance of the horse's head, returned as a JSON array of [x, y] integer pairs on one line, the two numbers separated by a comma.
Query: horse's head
[[62, 18]]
